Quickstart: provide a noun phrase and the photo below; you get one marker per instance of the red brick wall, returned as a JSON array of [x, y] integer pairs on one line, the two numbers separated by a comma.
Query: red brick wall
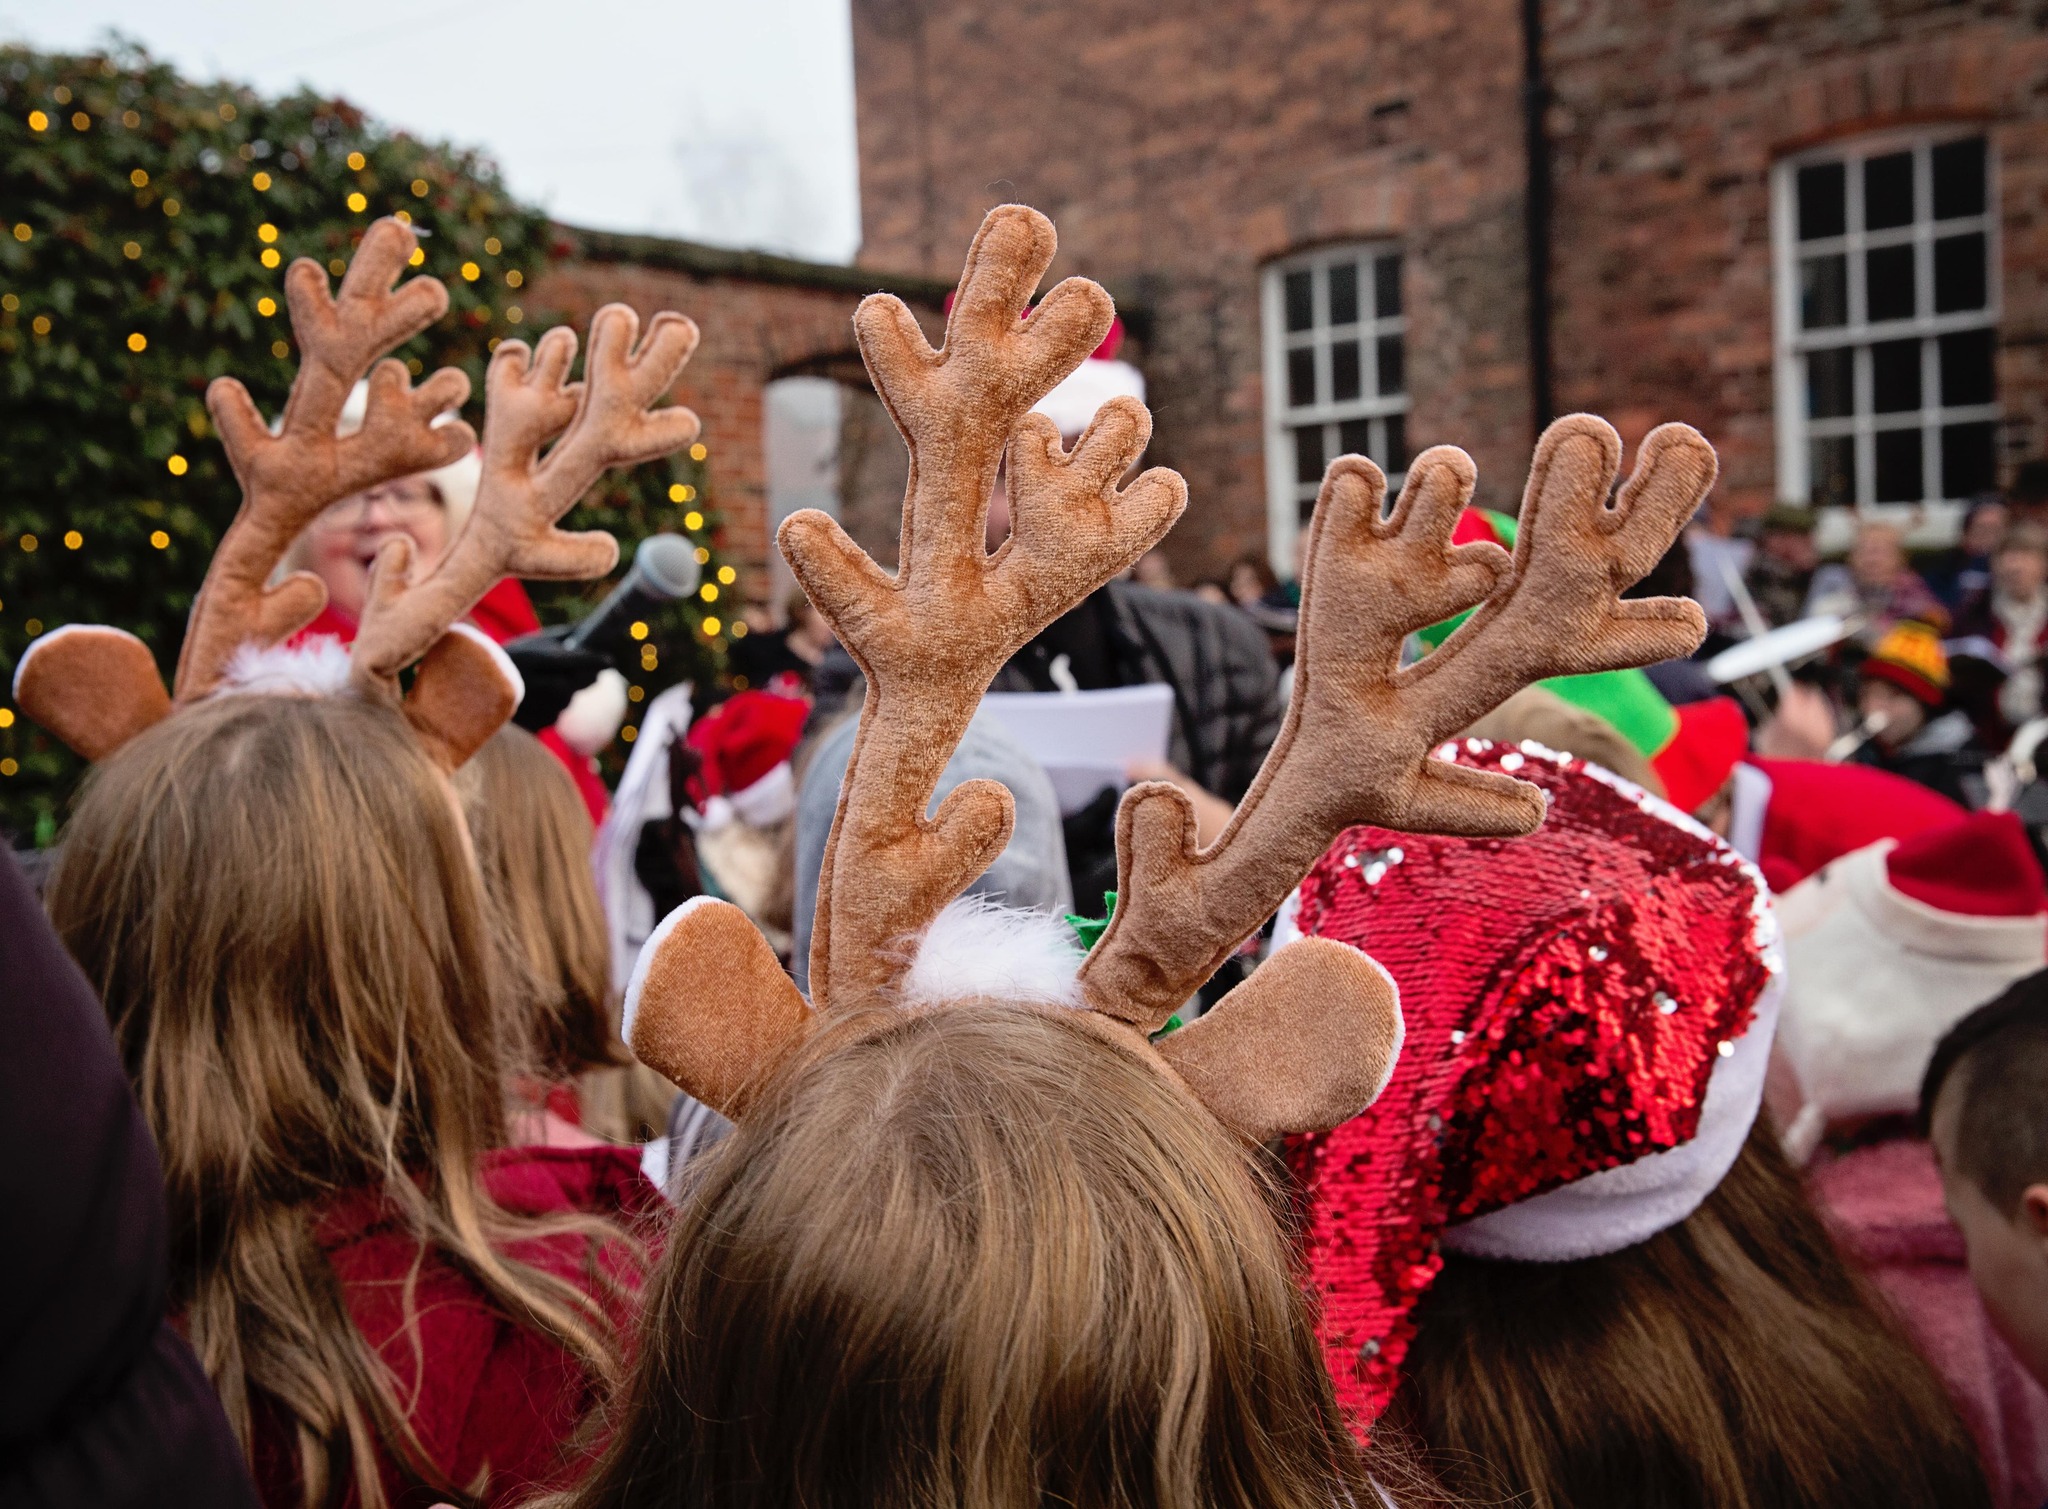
[[1179, 149], [1666, 122]]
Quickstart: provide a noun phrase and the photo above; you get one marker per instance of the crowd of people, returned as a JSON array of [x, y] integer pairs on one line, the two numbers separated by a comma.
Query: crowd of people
[[1940, 667], [1481, 1061]]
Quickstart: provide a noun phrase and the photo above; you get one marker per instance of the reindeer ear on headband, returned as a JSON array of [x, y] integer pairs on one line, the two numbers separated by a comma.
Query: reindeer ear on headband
[[1309, 1038], [96, 688], [93, 687]]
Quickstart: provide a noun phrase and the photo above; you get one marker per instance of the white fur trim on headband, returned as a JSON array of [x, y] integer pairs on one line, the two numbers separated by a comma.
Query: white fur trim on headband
[[976, 947], [317, 667], [1620, 1207]]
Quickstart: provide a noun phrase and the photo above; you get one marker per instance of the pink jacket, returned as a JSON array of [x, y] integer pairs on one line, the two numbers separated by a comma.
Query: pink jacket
[[1884, 1203]]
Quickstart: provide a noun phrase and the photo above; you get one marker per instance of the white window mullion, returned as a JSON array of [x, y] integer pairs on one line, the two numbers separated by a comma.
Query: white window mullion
[[1325, 416], [1801, 432]]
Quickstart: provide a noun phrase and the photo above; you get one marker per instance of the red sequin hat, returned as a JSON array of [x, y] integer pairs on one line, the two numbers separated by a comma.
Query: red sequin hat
[[1570, 997]]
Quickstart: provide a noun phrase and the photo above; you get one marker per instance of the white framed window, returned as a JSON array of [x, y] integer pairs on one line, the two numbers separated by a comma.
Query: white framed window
[[1886, 295], [1336, 376]]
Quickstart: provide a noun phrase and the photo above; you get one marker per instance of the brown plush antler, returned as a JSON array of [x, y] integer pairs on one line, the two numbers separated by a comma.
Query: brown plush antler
[[710, 1006], [1356, 746], [1309, 1039], [605, 420], [289, 477], [97, 687], [931, 638]]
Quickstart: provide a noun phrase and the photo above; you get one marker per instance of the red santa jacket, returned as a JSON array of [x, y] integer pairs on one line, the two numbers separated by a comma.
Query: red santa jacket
[[1794, 816], [491, 1399], [505, 612]]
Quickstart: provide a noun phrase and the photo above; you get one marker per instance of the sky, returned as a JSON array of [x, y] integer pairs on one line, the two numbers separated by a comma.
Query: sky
[[704, 119]]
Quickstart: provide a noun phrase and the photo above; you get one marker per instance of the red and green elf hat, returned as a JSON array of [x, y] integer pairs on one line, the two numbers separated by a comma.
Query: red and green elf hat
[[1693, 748]]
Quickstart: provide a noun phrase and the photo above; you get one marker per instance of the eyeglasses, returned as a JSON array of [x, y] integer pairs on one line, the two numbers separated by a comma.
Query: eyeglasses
[[409, 498]]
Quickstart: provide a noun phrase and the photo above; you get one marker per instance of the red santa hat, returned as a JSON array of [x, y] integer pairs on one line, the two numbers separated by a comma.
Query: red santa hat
[[743, 747], [1886, 949], [456, 484], [1589, 1014], [1089, 386]]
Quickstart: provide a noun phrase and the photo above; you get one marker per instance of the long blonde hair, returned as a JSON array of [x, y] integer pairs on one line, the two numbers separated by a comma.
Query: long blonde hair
[[276, 900], [978, 1257], [533, 837], [533, 841]]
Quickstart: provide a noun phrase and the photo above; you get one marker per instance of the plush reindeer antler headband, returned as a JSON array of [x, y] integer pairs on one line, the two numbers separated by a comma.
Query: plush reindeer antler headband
[[1308, 1039], [97, 687]]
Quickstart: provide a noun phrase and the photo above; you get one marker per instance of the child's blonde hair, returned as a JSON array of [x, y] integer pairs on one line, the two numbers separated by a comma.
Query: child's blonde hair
[[275, 898], [533, 837], [978, 1256]]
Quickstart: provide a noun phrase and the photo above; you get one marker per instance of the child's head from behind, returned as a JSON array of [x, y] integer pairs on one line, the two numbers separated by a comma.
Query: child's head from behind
[[978, 1256], [1730, 1359], [1985, 1106], [533, 838], [276, 899]]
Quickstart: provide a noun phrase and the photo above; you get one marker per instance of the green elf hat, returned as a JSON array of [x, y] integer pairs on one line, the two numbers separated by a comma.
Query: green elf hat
[[1692, 748]]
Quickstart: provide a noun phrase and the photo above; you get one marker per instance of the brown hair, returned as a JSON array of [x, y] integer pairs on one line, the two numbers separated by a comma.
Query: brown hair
[[1732, 1361], [533, 838], [276, 900], [977, 1257]]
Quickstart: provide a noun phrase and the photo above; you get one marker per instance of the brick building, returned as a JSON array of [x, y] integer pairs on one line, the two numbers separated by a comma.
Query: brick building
[[762, 319], [1817, 231]]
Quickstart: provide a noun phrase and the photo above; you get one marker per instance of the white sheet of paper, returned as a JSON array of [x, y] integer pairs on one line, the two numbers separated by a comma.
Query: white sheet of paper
[[1086, 739]]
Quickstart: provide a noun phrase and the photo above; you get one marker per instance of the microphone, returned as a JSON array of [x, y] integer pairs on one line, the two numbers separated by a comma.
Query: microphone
[[664, 569], [557, 663]]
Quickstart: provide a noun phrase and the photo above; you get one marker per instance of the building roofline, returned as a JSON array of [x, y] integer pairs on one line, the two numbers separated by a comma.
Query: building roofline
[[703, 261]]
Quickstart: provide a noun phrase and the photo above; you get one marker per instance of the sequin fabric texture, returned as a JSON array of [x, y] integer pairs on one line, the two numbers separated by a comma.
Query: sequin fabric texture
[[1566, 996]]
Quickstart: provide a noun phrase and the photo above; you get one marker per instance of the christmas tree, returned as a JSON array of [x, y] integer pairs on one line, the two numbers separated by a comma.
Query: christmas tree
[[146, 227]]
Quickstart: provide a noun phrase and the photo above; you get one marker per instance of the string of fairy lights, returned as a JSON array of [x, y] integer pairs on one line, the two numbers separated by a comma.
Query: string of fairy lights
[[148, 192]]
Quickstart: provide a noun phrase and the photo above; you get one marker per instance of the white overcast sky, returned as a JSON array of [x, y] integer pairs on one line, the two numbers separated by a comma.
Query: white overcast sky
[[722, 122]]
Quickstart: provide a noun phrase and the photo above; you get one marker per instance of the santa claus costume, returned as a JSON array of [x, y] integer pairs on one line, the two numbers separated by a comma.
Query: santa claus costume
[[1887, 948]]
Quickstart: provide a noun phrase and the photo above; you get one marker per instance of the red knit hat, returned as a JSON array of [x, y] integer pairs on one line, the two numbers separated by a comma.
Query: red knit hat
[[1981, 867], [1712, 738], [744, 744], [1569, 999]]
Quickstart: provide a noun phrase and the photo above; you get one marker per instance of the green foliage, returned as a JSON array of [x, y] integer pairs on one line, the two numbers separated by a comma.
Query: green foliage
[[147, 223]]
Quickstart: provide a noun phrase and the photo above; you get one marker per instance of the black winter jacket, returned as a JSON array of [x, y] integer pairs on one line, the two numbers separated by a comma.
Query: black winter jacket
[[1226, 688], [102, 1404]]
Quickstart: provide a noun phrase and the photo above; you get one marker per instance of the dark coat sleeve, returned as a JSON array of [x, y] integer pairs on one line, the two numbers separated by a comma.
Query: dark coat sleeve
[[1226, 687], [101, 1402]]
